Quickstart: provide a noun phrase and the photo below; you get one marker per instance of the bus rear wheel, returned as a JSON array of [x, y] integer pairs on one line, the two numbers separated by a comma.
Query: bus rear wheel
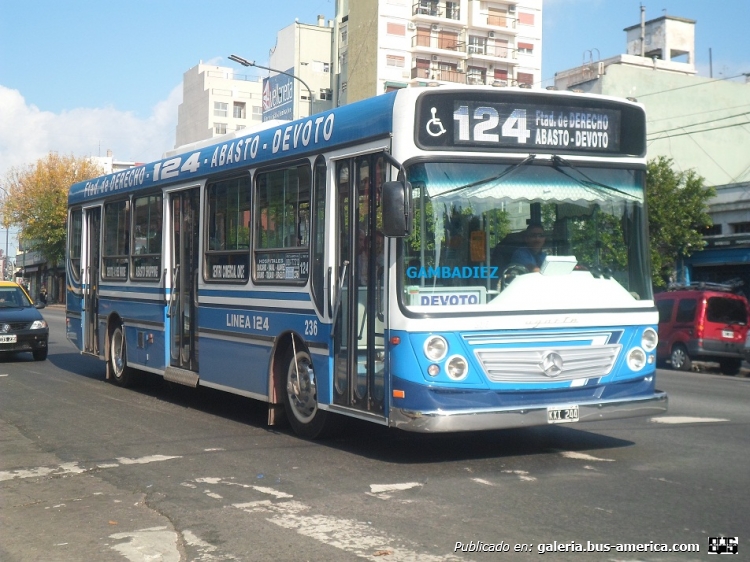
[[119, 372], [301, 397]]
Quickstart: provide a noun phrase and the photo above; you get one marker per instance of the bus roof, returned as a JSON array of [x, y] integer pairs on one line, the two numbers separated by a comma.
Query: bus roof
[[370, 118]]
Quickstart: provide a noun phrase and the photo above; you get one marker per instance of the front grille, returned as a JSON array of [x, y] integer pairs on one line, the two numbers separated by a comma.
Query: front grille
[[16, 326], [525, 364]]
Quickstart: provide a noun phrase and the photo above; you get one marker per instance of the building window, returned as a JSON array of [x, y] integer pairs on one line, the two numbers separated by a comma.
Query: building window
[[452, 10], [477, 45], [526, 48], [396, 29], [239, 127], [220, 128], [320, 66], [526, 19], [257, 112], [344, 36], [713, 230], [393, 60], [238, 110], [220, 109], [326, 94], [740, 227], [476, 75], [525, 78]]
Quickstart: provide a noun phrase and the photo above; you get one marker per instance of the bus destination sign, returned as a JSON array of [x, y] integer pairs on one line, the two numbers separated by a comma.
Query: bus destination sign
[[485, 124]]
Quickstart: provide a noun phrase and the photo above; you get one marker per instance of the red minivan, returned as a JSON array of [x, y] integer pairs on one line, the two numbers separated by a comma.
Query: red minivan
[[704, 322]]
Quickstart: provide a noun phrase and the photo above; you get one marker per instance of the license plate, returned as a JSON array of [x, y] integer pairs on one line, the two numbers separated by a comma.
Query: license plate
[[727, 333], [9, 339], [564, 414]]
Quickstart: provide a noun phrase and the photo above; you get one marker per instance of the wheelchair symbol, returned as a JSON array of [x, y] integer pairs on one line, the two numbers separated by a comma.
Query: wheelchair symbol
[[435, 126]]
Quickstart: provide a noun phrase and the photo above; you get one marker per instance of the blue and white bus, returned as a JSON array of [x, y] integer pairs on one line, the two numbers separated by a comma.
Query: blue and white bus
[[359, 262]]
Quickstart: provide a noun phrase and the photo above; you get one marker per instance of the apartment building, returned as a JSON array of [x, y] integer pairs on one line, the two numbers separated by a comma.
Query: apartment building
[[382, 45], [217, 100]]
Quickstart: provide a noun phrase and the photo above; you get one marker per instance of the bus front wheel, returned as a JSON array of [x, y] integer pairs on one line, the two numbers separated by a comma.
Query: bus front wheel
[[301, 396], [119, 372]]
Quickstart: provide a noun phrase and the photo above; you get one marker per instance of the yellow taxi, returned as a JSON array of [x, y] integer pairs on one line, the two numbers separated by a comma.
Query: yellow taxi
[[22, 327]]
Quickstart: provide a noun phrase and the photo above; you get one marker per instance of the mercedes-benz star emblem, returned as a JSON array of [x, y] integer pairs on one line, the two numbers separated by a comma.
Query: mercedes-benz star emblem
[[551, 363]]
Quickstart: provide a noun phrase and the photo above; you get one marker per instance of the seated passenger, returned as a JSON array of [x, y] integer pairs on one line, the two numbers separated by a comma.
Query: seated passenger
[[531, 255]]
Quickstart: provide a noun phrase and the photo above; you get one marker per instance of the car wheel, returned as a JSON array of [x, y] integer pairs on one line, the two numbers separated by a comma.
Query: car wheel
[[680, 358], [40, 354], [730, 366], [119, 372], [301, 397]]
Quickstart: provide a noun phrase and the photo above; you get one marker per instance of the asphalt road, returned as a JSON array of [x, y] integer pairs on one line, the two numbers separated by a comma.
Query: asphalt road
[[90, 471]]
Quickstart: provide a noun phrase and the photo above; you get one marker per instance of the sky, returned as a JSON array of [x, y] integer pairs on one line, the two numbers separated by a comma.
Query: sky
[[82, 77]]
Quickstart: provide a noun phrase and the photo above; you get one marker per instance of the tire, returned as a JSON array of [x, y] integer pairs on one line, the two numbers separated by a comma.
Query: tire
[[730, 367], [680, 358], [40, 354], [301, 397], [119, 372]]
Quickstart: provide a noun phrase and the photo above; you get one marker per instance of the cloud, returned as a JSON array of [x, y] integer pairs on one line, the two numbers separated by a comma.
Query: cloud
[[28, 133]]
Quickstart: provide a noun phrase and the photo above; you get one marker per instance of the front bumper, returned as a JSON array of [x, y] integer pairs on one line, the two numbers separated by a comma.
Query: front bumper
[[26, 342], [439, 421]]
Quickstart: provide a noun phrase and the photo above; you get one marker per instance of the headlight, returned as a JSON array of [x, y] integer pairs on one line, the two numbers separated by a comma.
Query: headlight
[[456, 368], [649, 339], [636, 359], [435, 348], [38, 325]]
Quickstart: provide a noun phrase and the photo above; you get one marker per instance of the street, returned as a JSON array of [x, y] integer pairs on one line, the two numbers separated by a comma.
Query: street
[[91, 471]]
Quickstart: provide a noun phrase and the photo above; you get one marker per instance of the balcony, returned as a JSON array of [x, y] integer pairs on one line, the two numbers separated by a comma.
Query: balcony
[[492, 51], [444, 43], [432, 9], [439, 74], [503, 22]]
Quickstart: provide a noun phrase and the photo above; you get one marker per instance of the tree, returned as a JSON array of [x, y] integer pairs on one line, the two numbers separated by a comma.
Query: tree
[[677, 215], [37, 201]]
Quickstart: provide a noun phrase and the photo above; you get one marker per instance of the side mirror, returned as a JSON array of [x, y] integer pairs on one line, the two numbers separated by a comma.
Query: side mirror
[[397, 209]]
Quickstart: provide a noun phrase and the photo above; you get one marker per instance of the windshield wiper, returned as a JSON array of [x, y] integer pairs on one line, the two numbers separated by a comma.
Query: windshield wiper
[[558, 162], [507, 171]]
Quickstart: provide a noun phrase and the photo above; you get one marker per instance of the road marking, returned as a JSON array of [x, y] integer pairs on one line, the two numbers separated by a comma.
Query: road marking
[[583, 456], [75, 468], [261, 489], [382, 490], [522, 474], [349, 535], [155, 543], [686, 419], [146, 460], [482, 481]]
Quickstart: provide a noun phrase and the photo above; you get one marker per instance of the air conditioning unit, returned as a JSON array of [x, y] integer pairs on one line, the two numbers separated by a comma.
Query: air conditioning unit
[[411, 25], [491, 34], [434, 27]]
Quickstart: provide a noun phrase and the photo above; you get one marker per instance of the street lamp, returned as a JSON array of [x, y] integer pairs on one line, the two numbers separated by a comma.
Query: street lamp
[[245, 62]]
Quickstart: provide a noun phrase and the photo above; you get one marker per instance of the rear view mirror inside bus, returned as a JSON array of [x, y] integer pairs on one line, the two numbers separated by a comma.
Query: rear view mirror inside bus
[[397, 209]]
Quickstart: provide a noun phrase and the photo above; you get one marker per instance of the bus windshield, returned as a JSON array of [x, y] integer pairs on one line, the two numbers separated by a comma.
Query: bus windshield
[[526, 236]]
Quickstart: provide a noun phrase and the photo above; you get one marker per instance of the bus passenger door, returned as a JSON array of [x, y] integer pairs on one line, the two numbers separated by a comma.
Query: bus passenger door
[[91, 272], [359, 345], [183, 300]]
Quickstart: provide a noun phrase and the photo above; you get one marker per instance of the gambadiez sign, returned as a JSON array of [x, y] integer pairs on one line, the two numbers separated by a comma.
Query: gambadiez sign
[[278, 97]]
